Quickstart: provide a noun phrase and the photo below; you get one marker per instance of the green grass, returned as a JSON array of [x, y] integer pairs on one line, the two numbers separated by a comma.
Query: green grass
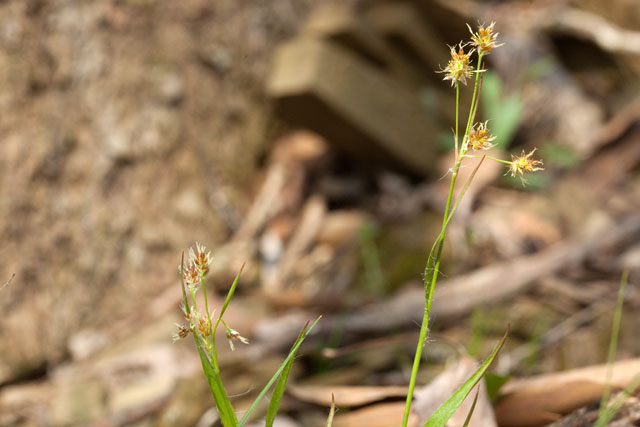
[[607, 412], [192, 278]]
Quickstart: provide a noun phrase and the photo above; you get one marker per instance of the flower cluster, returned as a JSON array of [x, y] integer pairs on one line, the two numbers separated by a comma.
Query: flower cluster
[[524, 163], [193, 274], [479, 137], [197, 267], [200, 259], [183, 331], [459, 67], [484, 39]]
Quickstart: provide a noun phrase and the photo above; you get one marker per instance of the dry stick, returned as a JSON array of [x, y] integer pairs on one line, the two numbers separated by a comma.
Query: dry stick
[[8, 282], [554, 335], [458, 296], [606, 35]]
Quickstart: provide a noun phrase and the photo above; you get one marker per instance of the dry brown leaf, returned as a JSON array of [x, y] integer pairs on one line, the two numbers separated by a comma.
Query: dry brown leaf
[[382, 415], [545, 398], [345, 395]]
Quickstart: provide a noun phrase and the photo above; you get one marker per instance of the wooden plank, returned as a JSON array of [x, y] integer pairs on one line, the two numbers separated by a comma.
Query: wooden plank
[[356, 106]]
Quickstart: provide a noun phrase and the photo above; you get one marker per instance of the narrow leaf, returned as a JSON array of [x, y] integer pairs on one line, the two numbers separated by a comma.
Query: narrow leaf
[[277, 374], [278, 392], [225, 409], [473, 407], [440, 417], [227, 300], [613, 345]]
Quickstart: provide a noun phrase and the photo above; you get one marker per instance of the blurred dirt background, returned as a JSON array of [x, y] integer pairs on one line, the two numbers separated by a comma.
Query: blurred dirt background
[[309, 140]]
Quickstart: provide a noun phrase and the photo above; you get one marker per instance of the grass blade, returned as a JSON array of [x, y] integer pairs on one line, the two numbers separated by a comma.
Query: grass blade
[[440, 417], [473, 407], [225, 409], [227, 300], [332, 411], [277, 374], [278, 391], [611, 411], [613, 345]]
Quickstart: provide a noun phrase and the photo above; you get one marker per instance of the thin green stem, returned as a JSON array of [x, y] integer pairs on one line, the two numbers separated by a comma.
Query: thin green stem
[[193, 298], [212, 340], [613, 345], [432, 274], [457, 119], [474, 100], [506, 162]]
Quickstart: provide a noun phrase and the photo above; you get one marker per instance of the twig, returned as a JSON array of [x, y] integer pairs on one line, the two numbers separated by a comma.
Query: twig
[[603, 33], [8, 282], [458, 296]]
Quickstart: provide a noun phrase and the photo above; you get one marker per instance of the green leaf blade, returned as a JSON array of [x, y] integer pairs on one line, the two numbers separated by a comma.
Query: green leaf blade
[[440, 417], [225, 409], [278, 391], [277, 374]]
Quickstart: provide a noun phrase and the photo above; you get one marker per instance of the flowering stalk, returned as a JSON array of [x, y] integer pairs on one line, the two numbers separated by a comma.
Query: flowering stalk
[[476, 137], [431, 277], [192, 277]]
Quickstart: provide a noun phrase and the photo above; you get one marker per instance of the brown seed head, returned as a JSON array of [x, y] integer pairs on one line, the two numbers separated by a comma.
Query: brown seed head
[[524, 163], [201, 258], [204, 325], [183, 331], [458, 68], [484, 39], [191, 276], [479, 137]]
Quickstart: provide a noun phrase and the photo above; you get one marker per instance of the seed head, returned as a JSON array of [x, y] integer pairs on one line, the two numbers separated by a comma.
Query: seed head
[[458, 68], [232, 335], [191, 276], [484, 39], [204, 325], [200, 259], [183, 331], [479, 138], [524, 163]]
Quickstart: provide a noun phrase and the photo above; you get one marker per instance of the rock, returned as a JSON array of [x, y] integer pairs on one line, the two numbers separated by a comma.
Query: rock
[[345, 28], [401, 24], [85, 343], [357, 107], [170, 86], [131, 135], [79, 401], [146, 392]]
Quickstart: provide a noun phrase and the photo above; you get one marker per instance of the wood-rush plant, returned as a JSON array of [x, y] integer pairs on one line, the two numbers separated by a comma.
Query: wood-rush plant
[[476, 137], [192, 278]]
